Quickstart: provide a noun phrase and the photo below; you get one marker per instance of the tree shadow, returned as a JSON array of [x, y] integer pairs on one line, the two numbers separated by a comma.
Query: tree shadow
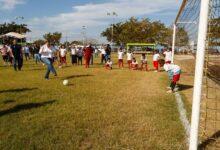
[[23, 107], [210, 140], [77, 76], [183, 87], [18, 90]]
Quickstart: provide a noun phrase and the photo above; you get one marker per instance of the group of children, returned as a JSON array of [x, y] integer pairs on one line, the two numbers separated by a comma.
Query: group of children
[[173, 70], [133, 63]]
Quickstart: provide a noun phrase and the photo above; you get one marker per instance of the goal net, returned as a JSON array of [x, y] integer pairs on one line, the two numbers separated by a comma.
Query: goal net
[[197, 34]]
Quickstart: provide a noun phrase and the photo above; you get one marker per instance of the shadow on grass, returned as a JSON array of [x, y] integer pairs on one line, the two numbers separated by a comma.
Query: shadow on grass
[[18, 90], [210, 140], [77, 76], [23, 107], [36, 69], [8, 101], [185, 87]]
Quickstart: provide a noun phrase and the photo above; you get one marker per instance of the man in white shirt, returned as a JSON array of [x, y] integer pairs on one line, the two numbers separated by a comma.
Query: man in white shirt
[[168, 56]]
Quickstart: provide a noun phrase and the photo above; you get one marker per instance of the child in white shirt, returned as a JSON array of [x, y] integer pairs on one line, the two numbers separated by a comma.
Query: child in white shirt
[[144, 65], [174, 72], [168, 56], [134, 64], [156, 58], [120, 58], [108, 64], [63, 52], [129, 58]]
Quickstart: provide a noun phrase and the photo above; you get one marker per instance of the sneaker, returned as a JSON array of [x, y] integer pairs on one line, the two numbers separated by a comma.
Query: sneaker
[[176, 89], [170, 91], [169, 88]]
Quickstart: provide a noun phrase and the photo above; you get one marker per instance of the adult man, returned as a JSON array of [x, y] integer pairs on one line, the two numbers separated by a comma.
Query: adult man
[[26, 52], [17, 55]]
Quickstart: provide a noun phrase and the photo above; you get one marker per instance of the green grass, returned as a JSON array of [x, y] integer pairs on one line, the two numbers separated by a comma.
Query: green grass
[[118, 109]]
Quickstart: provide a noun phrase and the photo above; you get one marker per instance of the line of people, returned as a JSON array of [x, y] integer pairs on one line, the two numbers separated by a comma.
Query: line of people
[[133, 63]]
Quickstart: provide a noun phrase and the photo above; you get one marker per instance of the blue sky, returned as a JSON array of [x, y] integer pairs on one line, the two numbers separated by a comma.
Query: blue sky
[[68, 16]]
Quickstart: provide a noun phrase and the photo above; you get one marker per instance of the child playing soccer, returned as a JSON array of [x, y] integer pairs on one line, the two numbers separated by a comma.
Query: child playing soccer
[[174, 75], [144, 62], [120, 58], [134, 64], [129, 58], [156, 58], [108, 64], [168, 56]]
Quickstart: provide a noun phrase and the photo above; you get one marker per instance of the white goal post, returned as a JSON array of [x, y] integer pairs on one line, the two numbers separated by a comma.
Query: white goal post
[[200, 58]]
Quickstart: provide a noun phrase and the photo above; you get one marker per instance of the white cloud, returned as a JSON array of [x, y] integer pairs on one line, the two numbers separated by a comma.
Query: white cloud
[[94, 16], [10, 4]]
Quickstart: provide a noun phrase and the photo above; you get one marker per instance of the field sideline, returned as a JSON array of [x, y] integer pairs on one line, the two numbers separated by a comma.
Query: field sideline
[[100, 109]]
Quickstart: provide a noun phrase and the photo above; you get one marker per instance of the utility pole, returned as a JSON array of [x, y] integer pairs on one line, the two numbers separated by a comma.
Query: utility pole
[[113, 15]]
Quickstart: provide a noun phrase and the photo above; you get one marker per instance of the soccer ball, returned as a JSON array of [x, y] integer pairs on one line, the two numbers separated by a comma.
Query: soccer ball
[[65, 82]]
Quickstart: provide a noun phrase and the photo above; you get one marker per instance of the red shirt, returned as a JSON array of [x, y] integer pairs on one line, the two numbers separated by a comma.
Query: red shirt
[[88, 51]]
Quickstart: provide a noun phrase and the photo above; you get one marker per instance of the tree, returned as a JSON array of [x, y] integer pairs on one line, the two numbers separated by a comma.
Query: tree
[[13, 27], [134, 30], [77, 42], [39, 42], [53, 37]]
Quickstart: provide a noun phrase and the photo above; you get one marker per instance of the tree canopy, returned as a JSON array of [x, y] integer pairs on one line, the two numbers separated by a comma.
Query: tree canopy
[[134, 30], [13, 27], [53, 37]]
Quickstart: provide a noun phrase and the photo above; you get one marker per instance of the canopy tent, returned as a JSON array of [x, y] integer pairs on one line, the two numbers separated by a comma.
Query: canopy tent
[[13, 35]]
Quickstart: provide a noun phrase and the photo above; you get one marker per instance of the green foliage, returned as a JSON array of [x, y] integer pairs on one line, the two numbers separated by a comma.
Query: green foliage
[[13, 27], [135, 30], [53, 37], [39, 42], [77, 42]]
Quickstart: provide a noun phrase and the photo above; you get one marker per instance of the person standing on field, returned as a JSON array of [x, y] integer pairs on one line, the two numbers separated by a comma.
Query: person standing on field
[[168, 56], [120, 58], [74, 54], [156, 58], [47, 58], [5, 56], [88, 51], [63, 53], [17, 55], [26, 52], [80, 55]]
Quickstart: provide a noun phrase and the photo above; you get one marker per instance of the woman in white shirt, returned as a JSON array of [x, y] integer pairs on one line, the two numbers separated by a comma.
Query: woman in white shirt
[[74, 54], [46, 58]]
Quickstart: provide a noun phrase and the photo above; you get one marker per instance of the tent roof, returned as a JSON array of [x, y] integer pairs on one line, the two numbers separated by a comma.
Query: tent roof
[[13, 35]]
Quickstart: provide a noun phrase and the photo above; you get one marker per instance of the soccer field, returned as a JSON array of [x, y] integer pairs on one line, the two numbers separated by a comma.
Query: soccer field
[[100, 109]]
